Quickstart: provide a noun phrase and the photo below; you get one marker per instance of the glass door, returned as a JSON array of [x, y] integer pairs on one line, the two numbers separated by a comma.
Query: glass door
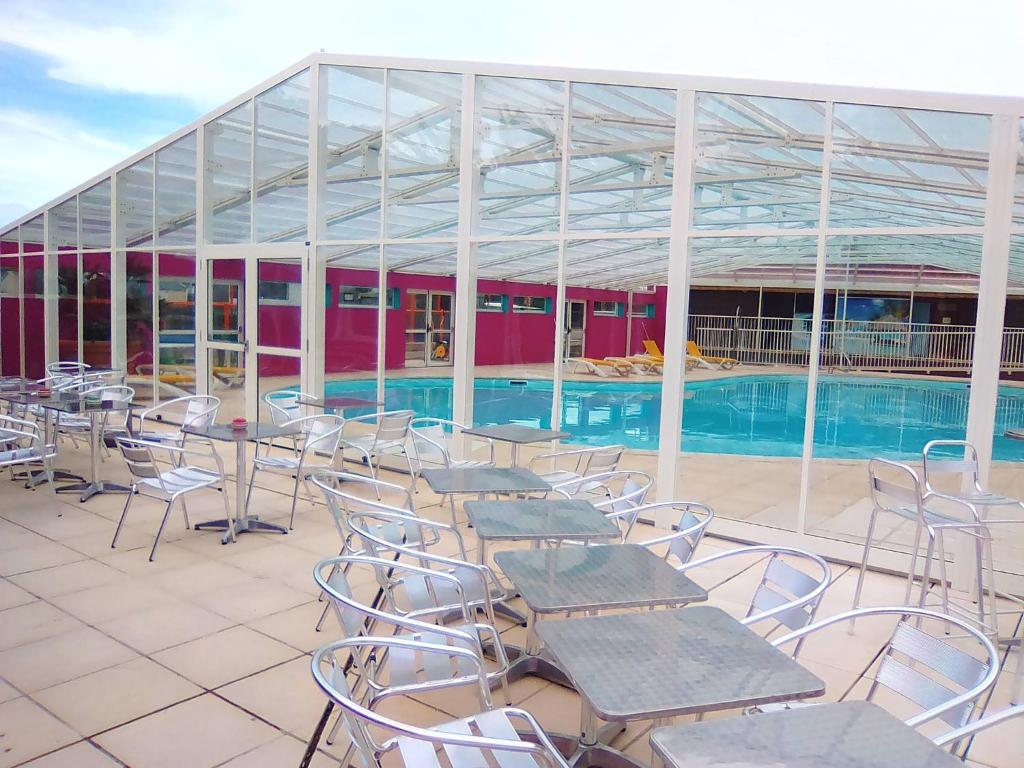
[[225, 338], [416, 324], [439, 330], [575, 328]]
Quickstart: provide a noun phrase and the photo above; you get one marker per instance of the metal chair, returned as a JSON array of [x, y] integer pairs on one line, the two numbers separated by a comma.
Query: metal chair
[[23, 445], [981, 724], [964, 474], [896, 490], [285, 406], [619, 494], [683, 541], [166, 485], [79, 424], [909, 650], [195, 411], [584, 461], [389, 436], [433, 445], [317, 452], [497, 737], [786, 595]]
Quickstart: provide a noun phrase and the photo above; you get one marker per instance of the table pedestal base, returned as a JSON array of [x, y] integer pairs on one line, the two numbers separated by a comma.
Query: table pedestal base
[[247, 524], [93, 489], [523, 664], [603, 756], [38, 477]]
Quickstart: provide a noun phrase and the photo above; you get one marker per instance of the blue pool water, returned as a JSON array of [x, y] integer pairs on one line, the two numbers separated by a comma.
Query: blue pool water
[[857, 417]]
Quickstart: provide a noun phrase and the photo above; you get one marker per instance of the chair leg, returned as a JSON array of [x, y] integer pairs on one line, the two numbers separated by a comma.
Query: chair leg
[[863, 563], [295, 499], [124, 514], [184, 511], [323, 617], [451, 503], [160, 530], [227, 509], [248, 492], [913, 562]]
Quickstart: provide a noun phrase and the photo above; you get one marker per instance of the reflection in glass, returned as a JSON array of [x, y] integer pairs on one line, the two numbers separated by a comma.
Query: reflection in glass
[[139, 321], [94, 209], [279, 314], [96, 309], [135, 204], [67, 306], [282, 161], [229, 176], [176, 315], [176, 193], [33, 289], [10, 312]]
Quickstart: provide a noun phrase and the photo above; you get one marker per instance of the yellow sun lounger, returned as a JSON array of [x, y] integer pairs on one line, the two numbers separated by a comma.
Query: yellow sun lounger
[[722, 362], [600, 367]]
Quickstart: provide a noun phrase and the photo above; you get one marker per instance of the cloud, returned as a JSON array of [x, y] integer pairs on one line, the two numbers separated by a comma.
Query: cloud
[[40, 155]]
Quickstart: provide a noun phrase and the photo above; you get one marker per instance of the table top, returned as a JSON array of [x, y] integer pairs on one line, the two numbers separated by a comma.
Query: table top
[[67, 403], [595, 577], [851, 734], [484, 480], [530, 519], [671, 662], [252, 431], [516, 433], [341, 402]]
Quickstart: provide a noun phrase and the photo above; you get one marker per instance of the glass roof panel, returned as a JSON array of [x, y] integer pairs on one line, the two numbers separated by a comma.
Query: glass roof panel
[[64, 226], [176, 193], [94, 205]]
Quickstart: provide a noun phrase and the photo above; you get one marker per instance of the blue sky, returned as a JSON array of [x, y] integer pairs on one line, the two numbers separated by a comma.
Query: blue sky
[[85, 84]]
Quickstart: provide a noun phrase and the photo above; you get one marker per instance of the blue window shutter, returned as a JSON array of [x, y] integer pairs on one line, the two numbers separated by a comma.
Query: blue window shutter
[[547, 305], [327, 297], [620, 309], [504, 302]]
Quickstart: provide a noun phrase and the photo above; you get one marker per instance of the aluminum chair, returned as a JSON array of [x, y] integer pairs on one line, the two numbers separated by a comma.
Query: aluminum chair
[[432, 443], [68, 368], [981, 724], [786, 595], [166, 485], [681, 544], [79, 424], [956, 679], [285, 406], [500, 737], [619, 494], [390, 435], [195, 411], [896, 490], [317, 452], [24, 445], [583, 463], [964, 473]]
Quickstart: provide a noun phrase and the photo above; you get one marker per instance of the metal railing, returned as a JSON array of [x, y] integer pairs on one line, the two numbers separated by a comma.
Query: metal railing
[[885, 346]]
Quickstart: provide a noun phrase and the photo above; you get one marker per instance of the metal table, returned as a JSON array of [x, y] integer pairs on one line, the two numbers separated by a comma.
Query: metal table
[[517, 435], [587, 579], [243, 522], [340, 403], [24, 395], [537, 520], [94, 410], [483, 480], [851, 734], [655, 664]]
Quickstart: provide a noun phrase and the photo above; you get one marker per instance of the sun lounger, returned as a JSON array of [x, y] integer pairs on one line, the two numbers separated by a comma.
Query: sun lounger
[[603, 368], [722, 362]]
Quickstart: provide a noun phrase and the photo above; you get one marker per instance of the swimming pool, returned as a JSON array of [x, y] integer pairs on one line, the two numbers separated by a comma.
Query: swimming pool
[[857, 417]]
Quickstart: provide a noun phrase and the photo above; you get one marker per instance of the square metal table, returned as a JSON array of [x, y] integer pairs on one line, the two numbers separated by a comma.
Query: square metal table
[[23, 393], [243, 522], [517, 435], [340, 403], [583, 579], [537, 520], [483, 480], [74, 405], [850, 734], [655, 664]]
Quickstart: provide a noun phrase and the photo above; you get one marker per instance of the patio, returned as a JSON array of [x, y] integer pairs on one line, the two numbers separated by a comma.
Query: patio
[[201, 658]]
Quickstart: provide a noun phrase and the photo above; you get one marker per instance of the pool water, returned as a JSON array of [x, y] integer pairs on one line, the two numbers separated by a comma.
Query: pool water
[[857, 417]]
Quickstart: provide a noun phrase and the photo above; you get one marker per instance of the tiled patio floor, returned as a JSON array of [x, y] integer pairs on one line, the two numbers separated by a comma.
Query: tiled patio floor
[[201, 658]]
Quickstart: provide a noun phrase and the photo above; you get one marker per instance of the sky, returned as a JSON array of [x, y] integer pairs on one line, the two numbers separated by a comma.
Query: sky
[[84, 85]]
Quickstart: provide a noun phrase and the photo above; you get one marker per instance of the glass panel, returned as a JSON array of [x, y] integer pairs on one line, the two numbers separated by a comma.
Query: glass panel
[[351, 126], [350, 326], [9, 242], [96, 309], [519, 154], [32, 235], [10, 318], [176, 193], [758, 162], [227, 381], [67, 306], [33, 288], [64, 226], [282, 161], [139, 323], [906, 167], [894, 305], [135, 205], [620, 174], [229, 176], [279, 318], [423, 153], [227, 301], [276, 372], [420, 303], [95, 214], [515, 351], [176, 313], [758, 414]]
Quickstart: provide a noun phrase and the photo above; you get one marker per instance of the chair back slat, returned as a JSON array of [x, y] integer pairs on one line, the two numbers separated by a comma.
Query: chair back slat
[[895, 491], [962, 668], [920, 689], [795, 582], [434, 449], [394, 426], [139, 459], [603, 460], [201, 411], [952, 466], [766, 598]]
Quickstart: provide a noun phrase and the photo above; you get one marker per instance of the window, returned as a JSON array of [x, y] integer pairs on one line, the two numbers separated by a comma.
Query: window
[[177, 304], [273, 291], [532, 304], [491, 302], [358, 296], [643, 310], [606, 308]]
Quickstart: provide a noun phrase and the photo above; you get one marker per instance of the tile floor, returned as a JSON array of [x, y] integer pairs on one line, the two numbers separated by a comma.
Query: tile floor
[[201, 658]]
